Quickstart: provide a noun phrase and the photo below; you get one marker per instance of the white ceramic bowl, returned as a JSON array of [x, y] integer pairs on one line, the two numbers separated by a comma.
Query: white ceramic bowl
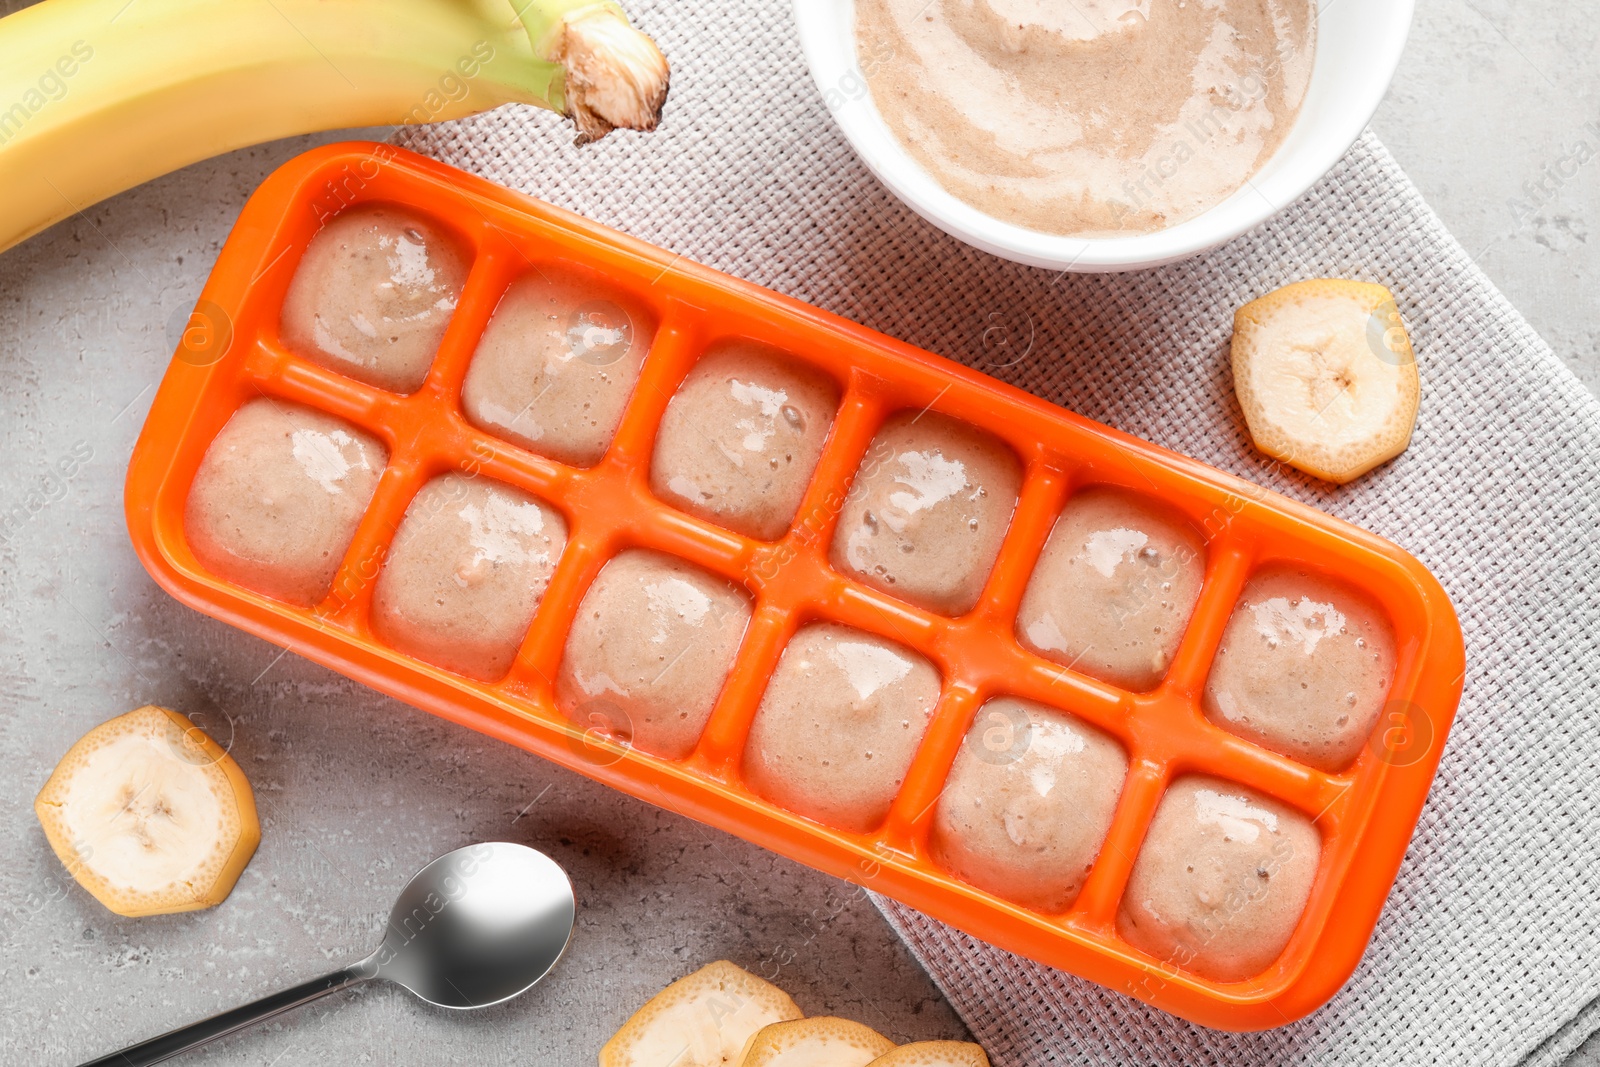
[[1358, 48]]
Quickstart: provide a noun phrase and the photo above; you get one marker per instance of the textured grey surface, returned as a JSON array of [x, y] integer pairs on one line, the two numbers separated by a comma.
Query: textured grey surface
[[357, 790], [1495, 115]]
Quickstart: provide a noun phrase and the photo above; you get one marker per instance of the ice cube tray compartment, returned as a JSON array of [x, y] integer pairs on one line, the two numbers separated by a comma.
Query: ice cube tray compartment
[[1364, 814]]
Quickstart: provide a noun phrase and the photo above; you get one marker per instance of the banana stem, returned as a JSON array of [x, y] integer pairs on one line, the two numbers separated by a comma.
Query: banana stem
[[99, 95]]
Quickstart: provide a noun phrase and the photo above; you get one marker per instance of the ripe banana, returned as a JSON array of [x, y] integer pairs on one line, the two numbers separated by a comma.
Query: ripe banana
[[150, 815], [701, 1020], [1326, 376], [97, 96]]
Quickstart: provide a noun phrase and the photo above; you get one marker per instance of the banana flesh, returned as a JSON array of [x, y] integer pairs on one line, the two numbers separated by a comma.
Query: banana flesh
[[97, 96], [150, 815], [821, 1041], [701, 1020], [1326, 376], [722, 1016], [934, 1054]]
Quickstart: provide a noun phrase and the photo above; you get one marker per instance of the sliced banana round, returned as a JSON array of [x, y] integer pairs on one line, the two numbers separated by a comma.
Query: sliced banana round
[[702, 1020], [934, 1054], [150, 815], [1326, 376], [823, 1041]]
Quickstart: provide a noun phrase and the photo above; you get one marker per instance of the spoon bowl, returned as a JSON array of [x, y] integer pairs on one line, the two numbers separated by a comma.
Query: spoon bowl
[[478, 926]]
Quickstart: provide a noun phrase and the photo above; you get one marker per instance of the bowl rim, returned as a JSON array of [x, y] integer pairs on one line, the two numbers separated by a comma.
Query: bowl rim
[[1252, 204]]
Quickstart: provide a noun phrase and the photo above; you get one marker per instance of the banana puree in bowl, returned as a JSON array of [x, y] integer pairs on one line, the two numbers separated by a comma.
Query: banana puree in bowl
[[1091, 118], [1100, 135]]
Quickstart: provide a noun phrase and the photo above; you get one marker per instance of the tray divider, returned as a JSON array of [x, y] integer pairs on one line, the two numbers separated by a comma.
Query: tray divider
[[860, 413], [474, 452], [866, 609], [911, 815], [707, 546], [349, 600], [673, 350], [286, 376], [1216, 752], [1044, 493], [1228, 566], [490, 276], [587, 550], [1097, 703], [1096, 905], [721, 747]]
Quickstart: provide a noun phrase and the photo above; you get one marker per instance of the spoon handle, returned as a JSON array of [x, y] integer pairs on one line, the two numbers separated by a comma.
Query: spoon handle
[[187, 1037]]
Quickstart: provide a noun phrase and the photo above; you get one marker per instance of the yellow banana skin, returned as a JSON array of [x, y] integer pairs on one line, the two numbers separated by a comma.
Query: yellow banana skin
[[97, 96]]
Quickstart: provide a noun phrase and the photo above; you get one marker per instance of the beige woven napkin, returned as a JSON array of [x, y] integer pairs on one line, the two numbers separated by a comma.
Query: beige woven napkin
[[1489, 949]]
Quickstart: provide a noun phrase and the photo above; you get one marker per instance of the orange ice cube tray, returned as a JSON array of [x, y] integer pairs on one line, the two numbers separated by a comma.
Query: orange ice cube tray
[[1365, 814]]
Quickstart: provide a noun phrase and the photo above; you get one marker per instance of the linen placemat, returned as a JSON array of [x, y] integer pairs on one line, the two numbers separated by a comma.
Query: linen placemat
[[1488, 951]]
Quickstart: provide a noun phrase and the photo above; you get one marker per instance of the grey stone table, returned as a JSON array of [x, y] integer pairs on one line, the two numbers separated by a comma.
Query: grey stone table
[[356, 790]]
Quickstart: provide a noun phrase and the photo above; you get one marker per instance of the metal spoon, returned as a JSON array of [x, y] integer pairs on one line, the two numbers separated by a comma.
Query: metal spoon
[[475, 927]]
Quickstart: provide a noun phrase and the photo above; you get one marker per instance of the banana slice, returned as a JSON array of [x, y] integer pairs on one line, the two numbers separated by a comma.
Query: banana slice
[[934, 1054], [1325, 373], [701, 1020], [150, 814], [820, 1042]]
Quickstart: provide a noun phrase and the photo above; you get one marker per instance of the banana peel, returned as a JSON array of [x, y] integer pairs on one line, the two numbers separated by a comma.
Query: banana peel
[[97, 96]]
